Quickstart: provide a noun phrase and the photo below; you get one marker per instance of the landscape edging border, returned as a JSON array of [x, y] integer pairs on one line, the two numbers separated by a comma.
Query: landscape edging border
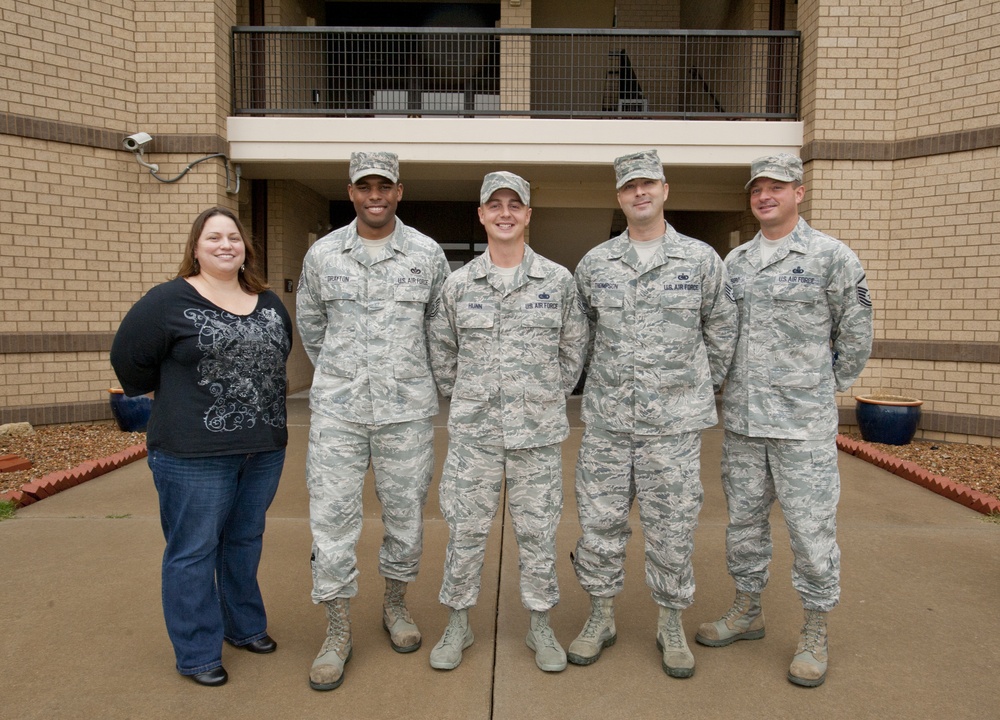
[[47, 485], [962, 494]]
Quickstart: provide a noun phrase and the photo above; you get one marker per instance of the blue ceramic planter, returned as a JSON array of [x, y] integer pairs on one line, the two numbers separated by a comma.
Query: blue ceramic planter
[[890, 420], [131, 413]]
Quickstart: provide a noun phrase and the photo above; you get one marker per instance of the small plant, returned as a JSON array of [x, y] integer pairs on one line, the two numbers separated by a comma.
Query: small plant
[[118, 517], [993, 518], [7, 510]]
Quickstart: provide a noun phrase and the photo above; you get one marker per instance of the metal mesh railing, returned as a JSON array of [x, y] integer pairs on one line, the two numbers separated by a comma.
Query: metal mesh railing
[[528, 72]]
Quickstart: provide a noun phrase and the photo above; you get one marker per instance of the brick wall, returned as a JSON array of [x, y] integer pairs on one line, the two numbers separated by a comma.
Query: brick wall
[[68, 60], [515, 17], [948, 55], [897, 70], [900, 107], [851, 62], [84, 230]]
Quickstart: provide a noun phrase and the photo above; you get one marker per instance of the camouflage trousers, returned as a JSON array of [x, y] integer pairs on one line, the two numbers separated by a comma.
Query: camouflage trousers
[[802, 475], [663, 473], [402, 458], [471, 486]]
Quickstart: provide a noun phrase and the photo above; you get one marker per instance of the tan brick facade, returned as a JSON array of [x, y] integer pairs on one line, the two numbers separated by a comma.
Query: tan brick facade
[[84, 230], [903, 165]]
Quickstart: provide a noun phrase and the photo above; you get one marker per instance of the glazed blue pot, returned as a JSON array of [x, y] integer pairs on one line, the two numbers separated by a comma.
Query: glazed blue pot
[[131, 413], [891, 420]]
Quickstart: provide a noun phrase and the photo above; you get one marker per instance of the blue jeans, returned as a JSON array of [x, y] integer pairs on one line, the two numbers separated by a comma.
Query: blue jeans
[[212, 512]]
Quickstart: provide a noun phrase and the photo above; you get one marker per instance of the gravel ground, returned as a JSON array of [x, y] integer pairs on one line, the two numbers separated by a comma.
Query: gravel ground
[[60, 447], [975, 466]]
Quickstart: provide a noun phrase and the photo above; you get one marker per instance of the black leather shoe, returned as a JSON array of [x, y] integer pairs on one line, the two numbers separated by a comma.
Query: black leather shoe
[[262, 647], [211, 678]]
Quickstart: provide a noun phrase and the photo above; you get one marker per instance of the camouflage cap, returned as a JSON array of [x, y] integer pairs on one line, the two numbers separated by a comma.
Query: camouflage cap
[[383, 164], [498, 180], [783, 167], [645, 164]]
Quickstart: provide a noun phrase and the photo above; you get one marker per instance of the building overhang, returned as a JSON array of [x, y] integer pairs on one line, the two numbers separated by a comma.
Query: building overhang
[[568, 162]]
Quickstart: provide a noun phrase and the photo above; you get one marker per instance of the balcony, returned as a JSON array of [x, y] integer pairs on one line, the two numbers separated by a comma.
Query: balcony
[[536, 73]]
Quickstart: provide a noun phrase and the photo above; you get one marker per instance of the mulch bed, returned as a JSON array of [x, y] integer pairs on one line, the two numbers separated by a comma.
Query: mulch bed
[[968, 474], [66, 455]]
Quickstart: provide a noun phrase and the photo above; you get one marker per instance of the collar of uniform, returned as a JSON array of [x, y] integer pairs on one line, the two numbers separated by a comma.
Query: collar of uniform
[[400, 239], [480, 265], [797, 242], [397, 241], [530, 263], [796, 238], [620, 245]]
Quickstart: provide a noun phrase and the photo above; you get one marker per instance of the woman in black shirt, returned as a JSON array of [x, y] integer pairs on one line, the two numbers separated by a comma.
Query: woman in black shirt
[[212, 345]]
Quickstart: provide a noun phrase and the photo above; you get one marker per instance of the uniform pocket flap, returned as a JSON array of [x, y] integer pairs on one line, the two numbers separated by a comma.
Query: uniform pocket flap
[[412, 293], [682, 299], [338, 292], [474, 318], [407, 370], [607, 298], [542, 320]]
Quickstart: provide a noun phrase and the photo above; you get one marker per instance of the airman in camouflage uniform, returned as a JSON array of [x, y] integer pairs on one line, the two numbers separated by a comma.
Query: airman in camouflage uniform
[[805, 331], [507, 346], [664, 327], [364, 297]]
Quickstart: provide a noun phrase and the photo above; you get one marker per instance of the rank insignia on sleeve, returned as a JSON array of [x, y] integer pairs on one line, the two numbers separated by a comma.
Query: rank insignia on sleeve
[[864, 297]]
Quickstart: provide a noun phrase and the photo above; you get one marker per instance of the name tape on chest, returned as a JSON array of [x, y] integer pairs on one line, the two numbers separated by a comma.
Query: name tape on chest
[[681, 287], [797, 279], [412, 280]]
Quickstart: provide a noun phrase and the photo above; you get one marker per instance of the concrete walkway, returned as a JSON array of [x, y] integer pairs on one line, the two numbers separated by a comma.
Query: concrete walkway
[[917, 634]]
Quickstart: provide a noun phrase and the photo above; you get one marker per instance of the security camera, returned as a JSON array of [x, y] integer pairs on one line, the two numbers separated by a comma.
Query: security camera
[[137, 142]]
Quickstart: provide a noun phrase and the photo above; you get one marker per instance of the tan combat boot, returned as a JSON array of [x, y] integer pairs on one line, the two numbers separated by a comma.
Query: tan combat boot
[[549, 655], [403, 633], [327, 672], [743, 621], [808, 667], [597, 634], [678, 661], [447, 654]]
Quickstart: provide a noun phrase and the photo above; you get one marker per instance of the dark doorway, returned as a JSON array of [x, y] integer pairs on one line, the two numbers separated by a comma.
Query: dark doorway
[[415, 14]]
